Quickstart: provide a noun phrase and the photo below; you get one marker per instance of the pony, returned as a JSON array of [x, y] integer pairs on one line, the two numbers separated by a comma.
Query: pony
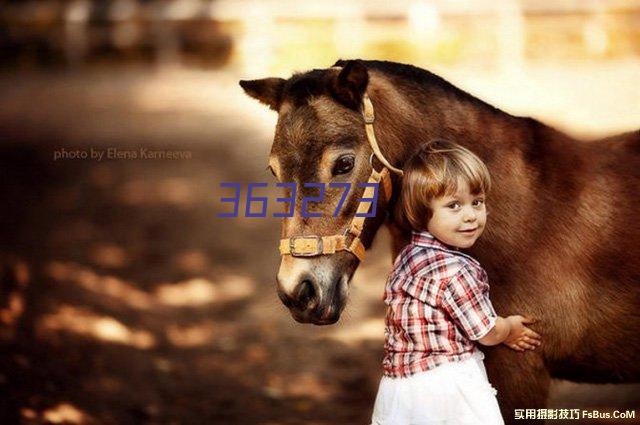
[[562, 242]]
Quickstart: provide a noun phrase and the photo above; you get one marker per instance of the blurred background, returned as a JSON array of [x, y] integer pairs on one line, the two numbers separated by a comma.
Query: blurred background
[[124, 299]]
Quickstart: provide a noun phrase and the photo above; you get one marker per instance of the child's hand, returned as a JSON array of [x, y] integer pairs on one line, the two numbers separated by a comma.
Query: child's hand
[[520, 337]]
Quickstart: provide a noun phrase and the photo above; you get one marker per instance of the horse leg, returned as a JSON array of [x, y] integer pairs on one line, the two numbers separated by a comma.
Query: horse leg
[[522, 381]]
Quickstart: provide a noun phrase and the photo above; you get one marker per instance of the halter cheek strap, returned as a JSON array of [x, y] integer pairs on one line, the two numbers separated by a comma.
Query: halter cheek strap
[[369, 118], [313, 245]]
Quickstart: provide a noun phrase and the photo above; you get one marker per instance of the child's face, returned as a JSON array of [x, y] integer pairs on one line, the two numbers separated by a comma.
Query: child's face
[[459, 219]]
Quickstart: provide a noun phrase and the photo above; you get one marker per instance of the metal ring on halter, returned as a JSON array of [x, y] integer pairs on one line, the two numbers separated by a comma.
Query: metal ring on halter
[[348, 232]]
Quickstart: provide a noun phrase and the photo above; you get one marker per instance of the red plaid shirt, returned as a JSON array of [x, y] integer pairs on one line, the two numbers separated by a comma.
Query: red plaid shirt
[[437, 305]]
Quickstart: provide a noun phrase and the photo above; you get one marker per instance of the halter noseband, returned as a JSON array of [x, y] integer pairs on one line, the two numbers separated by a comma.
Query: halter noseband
[[313, 245]]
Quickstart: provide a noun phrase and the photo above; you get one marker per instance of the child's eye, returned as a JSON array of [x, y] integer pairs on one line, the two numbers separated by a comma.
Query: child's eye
[[454, 205], [478, 202]]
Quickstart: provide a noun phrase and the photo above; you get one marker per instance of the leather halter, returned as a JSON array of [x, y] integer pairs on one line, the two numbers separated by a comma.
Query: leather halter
[[314, 245]]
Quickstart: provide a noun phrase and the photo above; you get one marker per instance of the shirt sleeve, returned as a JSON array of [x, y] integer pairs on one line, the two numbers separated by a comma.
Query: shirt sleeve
[[466, 299]]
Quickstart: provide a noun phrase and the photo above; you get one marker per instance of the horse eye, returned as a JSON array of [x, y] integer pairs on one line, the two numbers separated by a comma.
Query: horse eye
[[344, 164]]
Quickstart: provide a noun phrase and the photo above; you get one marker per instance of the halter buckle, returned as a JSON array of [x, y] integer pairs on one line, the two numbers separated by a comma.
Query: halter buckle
[[312, 246]]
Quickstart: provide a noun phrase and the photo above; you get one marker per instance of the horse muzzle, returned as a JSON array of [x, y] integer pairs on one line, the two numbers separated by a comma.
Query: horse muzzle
[[312, 299]]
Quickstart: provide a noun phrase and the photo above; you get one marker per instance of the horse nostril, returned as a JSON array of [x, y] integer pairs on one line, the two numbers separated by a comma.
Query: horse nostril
[[306, 294], [286, 300]]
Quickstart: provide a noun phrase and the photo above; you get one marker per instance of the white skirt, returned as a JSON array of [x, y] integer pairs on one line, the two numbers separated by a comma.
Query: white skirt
[[454, 393]]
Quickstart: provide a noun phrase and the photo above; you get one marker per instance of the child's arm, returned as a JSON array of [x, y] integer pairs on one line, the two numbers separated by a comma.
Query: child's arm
[[467, 302], [512, 332]]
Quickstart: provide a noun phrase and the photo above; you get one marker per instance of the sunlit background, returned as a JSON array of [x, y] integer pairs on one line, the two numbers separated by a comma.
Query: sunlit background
[[125, 299]]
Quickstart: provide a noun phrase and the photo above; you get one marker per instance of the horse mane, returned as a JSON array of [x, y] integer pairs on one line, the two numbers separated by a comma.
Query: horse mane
[[303, 85], [423, 79]]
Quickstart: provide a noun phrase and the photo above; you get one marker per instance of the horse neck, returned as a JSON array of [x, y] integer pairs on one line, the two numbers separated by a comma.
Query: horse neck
[[407, 120], [515, 149]]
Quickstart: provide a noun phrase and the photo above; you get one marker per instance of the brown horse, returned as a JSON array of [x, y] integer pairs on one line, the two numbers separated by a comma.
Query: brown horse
[[562, 242]]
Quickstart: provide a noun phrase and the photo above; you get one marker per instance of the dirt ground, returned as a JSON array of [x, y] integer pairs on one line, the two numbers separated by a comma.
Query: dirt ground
[[124, 299]]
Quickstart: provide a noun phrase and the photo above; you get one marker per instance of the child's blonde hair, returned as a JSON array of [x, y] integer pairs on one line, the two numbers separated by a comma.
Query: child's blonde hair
[[434, 171]]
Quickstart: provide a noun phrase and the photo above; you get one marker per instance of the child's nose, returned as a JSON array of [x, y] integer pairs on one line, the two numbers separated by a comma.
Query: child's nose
[[470, 214]]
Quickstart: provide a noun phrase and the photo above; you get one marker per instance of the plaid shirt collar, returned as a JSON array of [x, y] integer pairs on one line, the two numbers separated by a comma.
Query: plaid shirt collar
[[427, 240]]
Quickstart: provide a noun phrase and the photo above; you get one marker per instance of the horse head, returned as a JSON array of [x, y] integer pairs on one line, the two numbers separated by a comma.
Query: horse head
[[321, 137]]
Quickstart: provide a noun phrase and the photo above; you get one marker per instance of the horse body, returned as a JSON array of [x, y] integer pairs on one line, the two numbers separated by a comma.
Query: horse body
[[575, 267], [562, 240]]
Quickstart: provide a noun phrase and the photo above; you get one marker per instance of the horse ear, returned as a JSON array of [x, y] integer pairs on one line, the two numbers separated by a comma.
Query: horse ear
[[267, 90], [350, 84]]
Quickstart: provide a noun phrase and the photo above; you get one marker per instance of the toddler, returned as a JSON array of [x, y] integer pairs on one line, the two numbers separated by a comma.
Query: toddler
[[437, 297]]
